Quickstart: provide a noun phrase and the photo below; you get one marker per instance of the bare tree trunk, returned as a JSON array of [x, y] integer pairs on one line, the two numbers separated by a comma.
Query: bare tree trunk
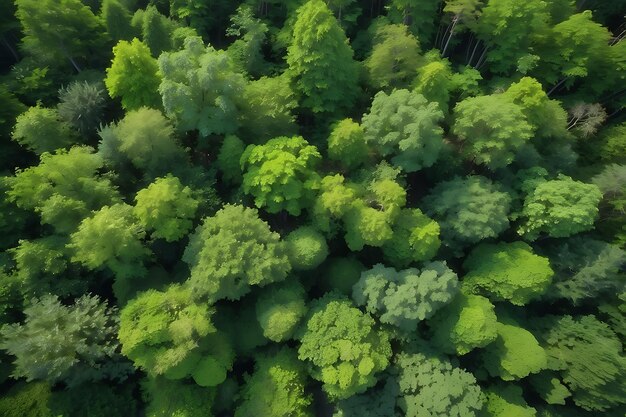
[[454, 22], [471, 58], [483, 55]]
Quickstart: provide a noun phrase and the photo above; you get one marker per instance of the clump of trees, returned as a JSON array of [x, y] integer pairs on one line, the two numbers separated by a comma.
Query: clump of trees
[[305, 208]]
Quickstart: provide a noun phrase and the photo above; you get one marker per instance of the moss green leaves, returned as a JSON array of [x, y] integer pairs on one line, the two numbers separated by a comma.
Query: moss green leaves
[[507, 271], [232, 251], [404, 298], [280, 174], [343, 348], [405, 127]]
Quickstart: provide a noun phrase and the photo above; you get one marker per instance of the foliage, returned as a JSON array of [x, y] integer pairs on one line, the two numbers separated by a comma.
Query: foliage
[[94, 400], [60, 30], [346, 144], [394, 57], [404, 298], [117, 18], [200, 88], [468, 210], [111, 238], [81, 104], [514, 354], [320, 60], [232, 251], [167, 398], [42, 130], [166, 208], [343, 348], [133, 76], [506, 401], [266, 109], [560, 208], [276, 388], [586, 268], [74, 344], [433, 386], [26, 400], [160, 331], [64, 187], [415, 239], [228, 159], [145, 139], [466, 323], [507, 271], [588, 354], [279, 310], [280, 174], [307, 248], [405, 127], [491, 128]]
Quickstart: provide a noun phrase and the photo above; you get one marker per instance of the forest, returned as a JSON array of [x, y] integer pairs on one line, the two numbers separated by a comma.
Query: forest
[[312, 208]]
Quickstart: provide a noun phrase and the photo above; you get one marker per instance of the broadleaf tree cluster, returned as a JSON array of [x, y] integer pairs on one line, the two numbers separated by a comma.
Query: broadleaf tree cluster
[[312, 208]]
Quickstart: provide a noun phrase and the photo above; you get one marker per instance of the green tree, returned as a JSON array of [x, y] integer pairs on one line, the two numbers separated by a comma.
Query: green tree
[[251, 32], [166, 398], [394, 59], [320, 60], [166, 333], [64, 188], [81, 104], [279, 309], [280, 174], [510, 30], [156, 31], [506, 401], [145, 139], [466, 323], [166, 208], [117, 18], [343, 348], [276, 388], [60, 29], [27, 400], [73, 344], [585, 268], [589, 357], [468, 210], [404, 298], [547, 117], [307, 248], [491, 129], [133, 76], [228, 159], [232, 251], [202, 93], [334, 199], [435, 81], [111, 237], [507, 271], [560, 208], [405, 126], [418, 15], [436, 387], [346, 144], [42, 130], [514, 354], [375, 402], [340, 274], [267, 106], [415, 239]]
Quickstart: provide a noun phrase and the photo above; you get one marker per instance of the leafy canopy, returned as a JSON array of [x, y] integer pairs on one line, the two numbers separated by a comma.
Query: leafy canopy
[[343, 348], [233, 250], [405, 127], [404, 298], [507, 271], [280, 174]]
